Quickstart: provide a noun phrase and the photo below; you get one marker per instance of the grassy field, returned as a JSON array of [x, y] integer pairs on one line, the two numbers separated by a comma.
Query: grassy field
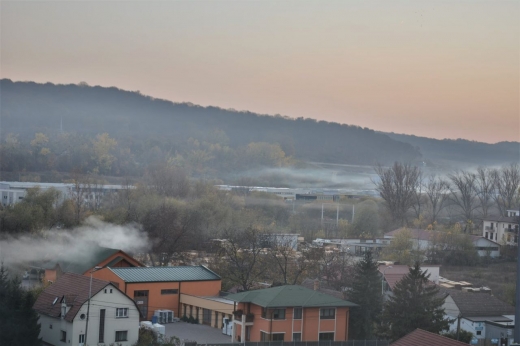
[[500, 277]]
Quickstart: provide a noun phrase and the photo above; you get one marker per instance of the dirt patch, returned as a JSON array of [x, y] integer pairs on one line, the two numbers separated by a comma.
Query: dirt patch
[[500, 277]]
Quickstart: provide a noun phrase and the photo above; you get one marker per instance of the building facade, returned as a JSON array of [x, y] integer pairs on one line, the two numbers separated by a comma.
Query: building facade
[[502, 229], [160, 288], [63, 307], [289, 313]]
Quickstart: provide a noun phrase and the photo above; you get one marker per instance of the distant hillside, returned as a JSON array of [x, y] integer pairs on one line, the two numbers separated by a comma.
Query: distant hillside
[[462, 150], [28, 107], [148, 126]]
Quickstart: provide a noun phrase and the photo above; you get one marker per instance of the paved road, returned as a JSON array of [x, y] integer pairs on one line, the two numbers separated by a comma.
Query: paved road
[[196, 332]]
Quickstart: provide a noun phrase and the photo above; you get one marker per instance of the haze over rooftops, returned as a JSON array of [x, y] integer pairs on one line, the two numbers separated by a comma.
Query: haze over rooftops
[[290, 295], [164, 274]]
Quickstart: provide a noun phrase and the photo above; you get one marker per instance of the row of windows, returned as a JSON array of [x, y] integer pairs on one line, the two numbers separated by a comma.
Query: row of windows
[[327, 336], [145, 293], [279, 314]]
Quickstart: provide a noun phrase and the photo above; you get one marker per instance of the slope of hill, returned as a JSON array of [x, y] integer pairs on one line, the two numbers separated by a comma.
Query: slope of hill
[[28, 107], [462, 150]]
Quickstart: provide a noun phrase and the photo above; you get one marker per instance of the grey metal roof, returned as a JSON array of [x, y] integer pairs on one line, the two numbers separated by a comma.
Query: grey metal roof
[[164, 274]]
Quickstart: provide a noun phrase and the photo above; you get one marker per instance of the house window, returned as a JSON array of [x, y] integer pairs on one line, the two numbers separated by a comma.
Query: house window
[[326, 336], [111, 290], [297, 313], [479, 332], [296, 336], [63, 336], [101, 326], [140, 293], [81, 339], [277, 337], [170, 291], [121, 312], [50, 326], [275, 314], [327, 314], [122, 335]]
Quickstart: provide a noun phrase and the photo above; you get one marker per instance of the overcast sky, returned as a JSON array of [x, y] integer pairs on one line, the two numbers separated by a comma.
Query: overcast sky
[[442, 69]]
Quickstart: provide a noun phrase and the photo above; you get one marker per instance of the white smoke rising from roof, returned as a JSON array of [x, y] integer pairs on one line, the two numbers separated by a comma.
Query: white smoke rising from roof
[[73, 245]]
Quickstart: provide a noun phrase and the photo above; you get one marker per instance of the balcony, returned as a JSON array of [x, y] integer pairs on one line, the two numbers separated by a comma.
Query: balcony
[[250, 318], [489, 228]]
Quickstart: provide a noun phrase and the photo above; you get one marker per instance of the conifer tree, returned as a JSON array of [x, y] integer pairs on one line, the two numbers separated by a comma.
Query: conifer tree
[[366, 292], [416, 303], [18, 321]]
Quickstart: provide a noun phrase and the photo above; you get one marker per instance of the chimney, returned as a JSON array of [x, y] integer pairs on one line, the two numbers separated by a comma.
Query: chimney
[[316, 285]]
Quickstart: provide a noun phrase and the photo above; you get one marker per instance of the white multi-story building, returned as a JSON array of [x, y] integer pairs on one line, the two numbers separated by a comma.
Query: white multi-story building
[[113, 318], [502, 229]]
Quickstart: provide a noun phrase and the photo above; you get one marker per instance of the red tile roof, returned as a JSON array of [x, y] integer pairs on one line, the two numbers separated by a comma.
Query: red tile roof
[[73, 288], [421, 337]]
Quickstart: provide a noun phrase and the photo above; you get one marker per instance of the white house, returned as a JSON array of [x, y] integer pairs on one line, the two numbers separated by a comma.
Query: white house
[[502, 229], [480, 312], [113, 318]]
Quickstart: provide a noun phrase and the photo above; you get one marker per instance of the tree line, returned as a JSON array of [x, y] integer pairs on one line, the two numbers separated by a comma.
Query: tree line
[[413, 199]]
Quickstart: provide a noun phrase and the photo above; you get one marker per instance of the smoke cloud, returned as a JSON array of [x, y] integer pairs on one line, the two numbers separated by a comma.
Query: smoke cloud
[[77, 245]]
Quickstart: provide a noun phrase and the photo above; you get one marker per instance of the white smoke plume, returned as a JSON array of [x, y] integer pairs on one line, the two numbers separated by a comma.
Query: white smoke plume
[[72, 245]]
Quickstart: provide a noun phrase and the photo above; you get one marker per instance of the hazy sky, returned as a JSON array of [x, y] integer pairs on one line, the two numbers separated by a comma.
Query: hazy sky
[[442, 69]]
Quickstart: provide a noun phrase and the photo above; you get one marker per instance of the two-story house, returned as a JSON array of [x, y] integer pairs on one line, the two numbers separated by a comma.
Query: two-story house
[[289, 313], [502, 229], [66, 313]]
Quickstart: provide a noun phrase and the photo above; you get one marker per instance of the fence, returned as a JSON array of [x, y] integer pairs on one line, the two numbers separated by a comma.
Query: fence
[[306, 343]]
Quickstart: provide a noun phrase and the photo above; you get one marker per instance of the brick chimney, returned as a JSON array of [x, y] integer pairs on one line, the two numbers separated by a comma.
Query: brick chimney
[[316, 285]]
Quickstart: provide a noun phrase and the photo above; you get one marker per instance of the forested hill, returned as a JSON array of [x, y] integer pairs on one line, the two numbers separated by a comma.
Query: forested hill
[[462, 150], [27, 108], [144, 124]]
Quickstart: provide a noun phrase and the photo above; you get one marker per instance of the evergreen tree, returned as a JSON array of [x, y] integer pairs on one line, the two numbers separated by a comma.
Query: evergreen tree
[[416, 303], [366, 292], [18, 321]]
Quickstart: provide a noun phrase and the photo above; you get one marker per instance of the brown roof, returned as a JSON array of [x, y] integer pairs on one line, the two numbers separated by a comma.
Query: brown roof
[[71, 288], [394, 273], [421, 337], [472, 304]]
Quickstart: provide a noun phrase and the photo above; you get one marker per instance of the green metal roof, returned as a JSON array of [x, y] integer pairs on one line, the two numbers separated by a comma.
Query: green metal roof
[[164, 274], [290, 295]]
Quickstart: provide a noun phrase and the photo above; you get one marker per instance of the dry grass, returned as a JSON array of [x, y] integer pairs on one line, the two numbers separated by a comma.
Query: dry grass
[[500, 277]]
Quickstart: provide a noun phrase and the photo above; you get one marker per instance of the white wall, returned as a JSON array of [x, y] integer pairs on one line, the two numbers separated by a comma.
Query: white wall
[[51, 328], [109, 302]]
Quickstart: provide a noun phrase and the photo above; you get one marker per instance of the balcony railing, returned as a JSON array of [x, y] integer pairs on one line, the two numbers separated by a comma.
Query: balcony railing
[[489, 228], [249, 318]]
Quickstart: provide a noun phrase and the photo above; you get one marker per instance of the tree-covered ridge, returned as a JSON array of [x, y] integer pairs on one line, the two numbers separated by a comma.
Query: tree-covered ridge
[[29, 108]]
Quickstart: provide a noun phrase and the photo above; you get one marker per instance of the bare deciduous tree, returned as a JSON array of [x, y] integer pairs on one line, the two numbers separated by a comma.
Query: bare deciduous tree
[[168, 180], [485, 186], [398, 185], [507, 181], [241, 258], [437, 192], [464, 193]]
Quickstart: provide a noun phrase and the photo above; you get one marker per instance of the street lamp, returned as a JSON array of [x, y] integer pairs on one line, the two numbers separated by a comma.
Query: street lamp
[[383, 280], [88, 305]]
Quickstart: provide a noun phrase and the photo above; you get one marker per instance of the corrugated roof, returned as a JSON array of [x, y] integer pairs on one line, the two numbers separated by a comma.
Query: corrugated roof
[[164, 274], [75, 289], [421, 337], [290, 295]]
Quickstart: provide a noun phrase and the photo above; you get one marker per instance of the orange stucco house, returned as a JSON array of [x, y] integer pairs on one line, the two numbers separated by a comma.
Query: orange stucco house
[[161, 288], [289, 313], [97, 257]]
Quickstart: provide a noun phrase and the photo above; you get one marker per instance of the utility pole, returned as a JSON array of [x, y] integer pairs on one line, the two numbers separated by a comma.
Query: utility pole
[[516, 333], [337, 215], [322, 215]]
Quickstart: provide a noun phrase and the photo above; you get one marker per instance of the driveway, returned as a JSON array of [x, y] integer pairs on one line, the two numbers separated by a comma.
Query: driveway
[[196, 332]]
